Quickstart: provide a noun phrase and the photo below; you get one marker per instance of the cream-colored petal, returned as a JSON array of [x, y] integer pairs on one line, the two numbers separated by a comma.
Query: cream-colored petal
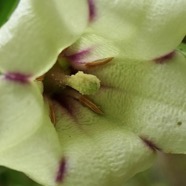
[[142, 29], [37, 32], [28, 141]]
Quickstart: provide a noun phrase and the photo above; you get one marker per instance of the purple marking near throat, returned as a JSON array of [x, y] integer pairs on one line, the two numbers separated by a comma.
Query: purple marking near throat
[[92, 10], [17, 77], [61, 171], [65, 102], [150, 144], [163, 59], [77, 57]]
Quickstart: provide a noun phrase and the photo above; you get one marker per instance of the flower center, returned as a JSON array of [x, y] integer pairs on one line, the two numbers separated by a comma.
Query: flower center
[[63, 81], [56, 80]]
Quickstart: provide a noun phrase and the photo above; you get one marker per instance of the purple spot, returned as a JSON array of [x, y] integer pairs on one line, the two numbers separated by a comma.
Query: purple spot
[[61, 171], [77, 57], [150, 144], [92, 10], [17, 77], [65, 102], [165, 58]]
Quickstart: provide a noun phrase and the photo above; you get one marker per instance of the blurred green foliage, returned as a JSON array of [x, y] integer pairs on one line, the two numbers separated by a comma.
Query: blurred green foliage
[[184, 40], [151, 177], [6, 9], [10, 177], [182, 48]]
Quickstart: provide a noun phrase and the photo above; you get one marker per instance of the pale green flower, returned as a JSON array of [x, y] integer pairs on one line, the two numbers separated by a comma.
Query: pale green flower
[[139, 107]]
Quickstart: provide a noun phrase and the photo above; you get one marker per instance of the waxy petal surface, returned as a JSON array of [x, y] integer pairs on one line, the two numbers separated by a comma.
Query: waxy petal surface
[[142, 29], [146, 97], [37, 32], [28, 140], [143, 101], [98, 152], [17, 101]]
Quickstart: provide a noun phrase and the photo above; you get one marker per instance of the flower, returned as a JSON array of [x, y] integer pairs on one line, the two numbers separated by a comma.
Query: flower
[[105, 138]]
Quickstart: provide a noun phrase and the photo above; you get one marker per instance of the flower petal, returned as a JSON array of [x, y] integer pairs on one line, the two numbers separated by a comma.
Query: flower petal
[[37, 32], [146, 97], [28, 140], [38, 156], [89, 48], [19, 104], [142, 29], [143, 105], [99, 153], [149, 99]]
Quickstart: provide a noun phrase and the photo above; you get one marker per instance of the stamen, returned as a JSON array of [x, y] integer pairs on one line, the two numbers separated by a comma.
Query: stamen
[[86, 84], [57, 80], [40, 78], [54, 80], [62, 88], [98, 62], [66, 102], [84, 100], [52, 113]]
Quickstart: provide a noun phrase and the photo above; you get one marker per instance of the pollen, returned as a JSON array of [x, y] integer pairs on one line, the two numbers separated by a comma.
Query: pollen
[[67, 84]]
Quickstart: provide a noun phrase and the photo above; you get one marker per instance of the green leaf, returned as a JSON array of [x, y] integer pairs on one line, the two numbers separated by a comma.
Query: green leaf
[[6, 9], [100, 153], [14, 178]]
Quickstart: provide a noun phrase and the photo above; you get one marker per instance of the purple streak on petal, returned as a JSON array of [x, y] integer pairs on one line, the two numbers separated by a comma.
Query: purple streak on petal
[[61, 171], [77, 57], [92, 10], [165, 58], [150, 144], [17, 77], [66, 103]]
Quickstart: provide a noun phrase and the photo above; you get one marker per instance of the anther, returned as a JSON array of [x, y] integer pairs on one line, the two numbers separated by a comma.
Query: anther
[[98, 63], [84, 100], [88, 103], [57, 80], [85, 84]]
